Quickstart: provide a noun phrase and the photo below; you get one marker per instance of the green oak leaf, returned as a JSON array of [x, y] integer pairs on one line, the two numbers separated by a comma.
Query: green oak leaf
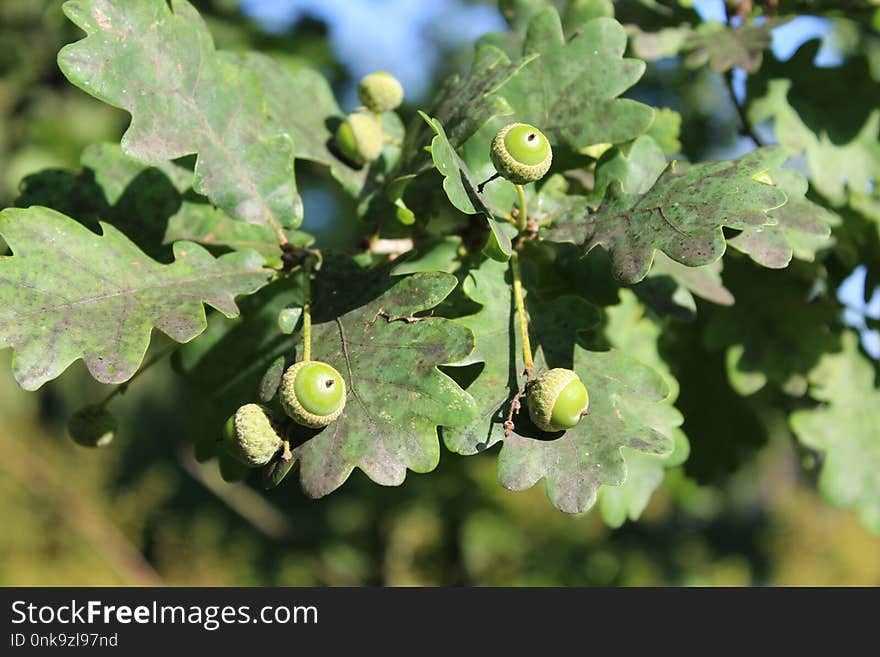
[[136, 198], [629, 329], [301, 103], [682, 214], [644, 474], [397, 396], [195, 219], [834, 168], [777, 329], [846, 430], [803, 227], [724, 48], [635, 166], [839, 140], [61, 303], [115, 172], [552, 203], [570, 92], [158, 63], [153, 206], [201, 222], [626, 403], [461, 189], [622, 391], [518, 13], [389, 358]]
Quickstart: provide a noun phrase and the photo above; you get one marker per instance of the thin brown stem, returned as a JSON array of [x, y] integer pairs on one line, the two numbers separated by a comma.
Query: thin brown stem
[[122, 387], [747, 128]]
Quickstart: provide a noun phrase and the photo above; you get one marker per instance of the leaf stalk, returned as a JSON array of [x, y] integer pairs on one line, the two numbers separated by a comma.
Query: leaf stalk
[[523, 217]]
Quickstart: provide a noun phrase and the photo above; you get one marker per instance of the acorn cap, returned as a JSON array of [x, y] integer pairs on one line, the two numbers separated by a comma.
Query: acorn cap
[[380, 92], [251, 437], [519, 173], [294, 407], [544, 393], [360, 137]]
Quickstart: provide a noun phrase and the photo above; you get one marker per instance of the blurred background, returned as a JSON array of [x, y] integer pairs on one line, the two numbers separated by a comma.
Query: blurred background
[[144, 512]]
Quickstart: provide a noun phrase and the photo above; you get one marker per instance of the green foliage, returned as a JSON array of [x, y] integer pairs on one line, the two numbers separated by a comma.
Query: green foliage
[[840, 143], [844, 430], [213, 107], [460, 188], [621, 392], [454, 281], [681, 214], [579, 82], [802, 227], [60, 303]]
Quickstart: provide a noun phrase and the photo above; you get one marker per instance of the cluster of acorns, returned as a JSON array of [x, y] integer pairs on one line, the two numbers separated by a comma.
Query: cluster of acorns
[[360, 138], [312, 394]]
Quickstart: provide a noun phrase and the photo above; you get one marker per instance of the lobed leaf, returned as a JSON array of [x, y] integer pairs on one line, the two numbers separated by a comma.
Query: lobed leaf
[[157, 61], [845, 429], [725, 48], [60, 302], [628, 328], [570, 92], [682, 214], [622, 393], [301, 103], [839, 140], [802, 227], [389, 358], [153, 206]]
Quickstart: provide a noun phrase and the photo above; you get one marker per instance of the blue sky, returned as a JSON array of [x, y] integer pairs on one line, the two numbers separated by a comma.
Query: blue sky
[[404, 37]]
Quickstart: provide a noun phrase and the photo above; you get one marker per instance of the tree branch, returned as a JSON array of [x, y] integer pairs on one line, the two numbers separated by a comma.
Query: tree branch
[[747, 128]]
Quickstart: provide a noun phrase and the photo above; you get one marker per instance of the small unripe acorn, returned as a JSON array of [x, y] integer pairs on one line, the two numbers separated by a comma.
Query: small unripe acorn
[[250, 436], [557, 400], [312, 393], [380, 92], [360, 138], [92, 426], [521, 153]]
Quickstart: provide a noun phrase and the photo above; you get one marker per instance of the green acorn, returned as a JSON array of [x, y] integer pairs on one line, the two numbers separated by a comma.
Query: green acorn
[[360, 138], [251, 437], [380, 92], [521, 153], [312, 393], [92, 426], [557, 400]]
